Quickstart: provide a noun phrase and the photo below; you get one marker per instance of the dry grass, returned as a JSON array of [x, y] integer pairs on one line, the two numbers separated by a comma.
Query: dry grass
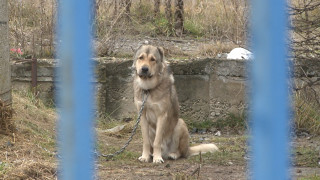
[[29, 153], [307, 114], [212, 50], [6, 122], [32, 23], [220, 19], [231, 149], [32, 26]]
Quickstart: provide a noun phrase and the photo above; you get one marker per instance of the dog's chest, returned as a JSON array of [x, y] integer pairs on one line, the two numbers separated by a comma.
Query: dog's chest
[[152, 112], [154, 108]]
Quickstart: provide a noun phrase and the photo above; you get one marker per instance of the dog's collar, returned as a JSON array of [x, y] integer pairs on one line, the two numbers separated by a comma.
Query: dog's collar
[[144, 95], [144, 92]]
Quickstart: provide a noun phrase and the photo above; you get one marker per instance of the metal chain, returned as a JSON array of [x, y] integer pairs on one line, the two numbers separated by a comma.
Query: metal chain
[[109, 156]]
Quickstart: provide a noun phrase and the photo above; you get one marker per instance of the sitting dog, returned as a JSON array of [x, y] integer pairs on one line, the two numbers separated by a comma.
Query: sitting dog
[[164, 134]]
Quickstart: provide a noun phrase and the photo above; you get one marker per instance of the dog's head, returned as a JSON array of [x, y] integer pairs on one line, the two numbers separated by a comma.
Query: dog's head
[[148, 61]]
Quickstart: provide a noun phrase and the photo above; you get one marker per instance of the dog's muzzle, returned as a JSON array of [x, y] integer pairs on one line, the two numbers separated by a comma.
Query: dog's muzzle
[[144, 72]]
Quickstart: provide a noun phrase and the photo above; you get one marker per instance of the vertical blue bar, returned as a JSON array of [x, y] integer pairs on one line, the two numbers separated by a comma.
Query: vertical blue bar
[[269, 96], [75, 96]]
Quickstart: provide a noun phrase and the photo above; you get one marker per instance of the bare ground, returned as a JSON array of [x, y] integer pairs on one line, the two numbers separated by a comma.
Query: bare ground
[[174, 47], [128, 167], [30, 153]]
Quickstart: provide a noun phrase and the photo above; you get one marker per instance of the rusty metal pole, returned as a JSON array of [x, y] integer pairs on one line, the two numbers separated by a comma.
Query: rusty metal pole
[[34, 75], [5, 71]]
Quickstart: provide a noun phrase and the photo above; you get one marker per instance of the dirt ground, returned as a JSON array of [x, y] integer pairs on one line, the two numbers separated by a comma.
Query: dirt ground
[[128, 167], [30, 152], [228, 164]]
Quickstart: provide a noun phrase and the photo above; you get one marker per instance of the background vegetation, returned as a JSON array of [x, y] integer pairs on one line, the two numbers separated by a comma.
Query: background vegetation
[[32, 22], [223, 22]]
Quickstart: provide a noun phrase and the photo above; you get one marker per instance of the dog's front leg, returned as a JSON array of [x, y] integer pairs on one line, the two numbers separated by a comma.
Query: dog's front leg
[[157, 156], [145, 157]]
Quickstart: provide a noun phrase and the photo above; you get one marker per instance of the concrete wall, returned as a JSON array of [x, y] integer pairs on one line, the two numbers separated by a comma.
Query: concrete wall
[[5, 82], [207, 88]]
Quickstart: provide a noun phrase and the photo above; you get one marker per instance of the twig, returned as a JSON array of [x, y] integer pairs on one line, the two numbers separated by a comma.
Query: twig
[[198, 169]]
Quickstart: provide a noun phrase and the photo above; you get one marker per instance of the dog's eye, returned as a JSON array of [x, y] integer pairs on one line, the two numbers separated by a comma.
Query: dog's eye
[[141, 57], [152, 59]]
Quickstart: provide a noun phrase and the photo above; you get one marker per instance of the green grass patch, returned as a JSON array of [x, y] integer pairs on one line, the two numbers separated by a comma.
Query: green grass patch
[[200, 125], [232, 152], [193, 28], [306, 156], [163, 26], [312, 177], [126, 157], [232, 123], [3, 167]]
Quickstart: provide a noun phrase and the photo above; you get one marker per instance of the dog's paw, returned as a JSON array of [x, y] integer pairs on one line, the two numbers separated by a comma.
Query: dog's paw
[[158, 160], [144, 158], [173, 156]]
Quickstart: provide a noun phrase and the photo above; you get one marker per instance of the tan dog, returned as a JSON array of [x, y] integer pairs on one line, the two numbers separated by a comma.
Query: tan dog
[[164, 134]]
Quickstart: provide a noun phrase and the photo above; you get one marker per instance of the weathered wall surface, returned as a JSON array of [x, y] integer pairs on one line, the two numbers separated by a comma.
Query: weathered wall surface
[[207, 88], [21, 76]]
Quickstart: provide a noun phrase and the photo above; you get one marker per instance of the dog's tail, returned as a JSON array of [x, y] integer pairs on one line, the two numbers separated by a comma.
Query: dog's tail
[[203, 148]]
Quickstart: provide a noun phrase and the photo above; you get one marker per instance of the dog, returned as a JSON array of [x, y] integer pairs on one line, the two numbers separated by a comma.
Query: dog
[[164, 134]]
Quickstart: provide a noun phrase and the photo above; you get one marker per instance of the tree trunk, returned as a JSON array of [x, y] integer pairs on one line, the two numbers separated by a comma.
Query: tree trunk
[[115, 11], [128, 6], [178, 17], [156, 8], [168, 11]]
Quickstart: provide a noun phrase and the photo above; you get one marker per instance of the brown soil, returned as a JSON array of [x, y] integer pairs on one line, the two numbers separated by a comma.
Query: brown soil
[[131, 168]]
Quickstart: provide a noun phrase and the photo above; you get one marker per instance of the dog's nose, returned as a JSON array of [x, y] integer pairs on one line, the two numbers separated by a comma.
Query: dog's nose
[[144, 69]]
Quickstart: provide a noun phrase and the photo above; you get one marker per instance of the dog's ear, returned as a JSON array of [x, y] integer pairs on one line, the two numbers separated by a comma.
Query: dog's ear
[[161, 52], [133, 67], [135, 58], [135, 53]]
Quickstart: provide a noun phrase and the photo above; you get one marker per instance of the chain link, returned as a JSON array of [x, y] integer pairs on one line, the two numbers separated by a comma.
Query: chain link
[[109, 156]]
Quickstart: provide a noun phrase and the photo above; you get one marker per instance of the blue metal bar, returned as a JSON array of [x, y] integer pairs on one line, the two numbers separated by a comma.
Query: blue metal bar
[[270, 92], [75, 92]]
